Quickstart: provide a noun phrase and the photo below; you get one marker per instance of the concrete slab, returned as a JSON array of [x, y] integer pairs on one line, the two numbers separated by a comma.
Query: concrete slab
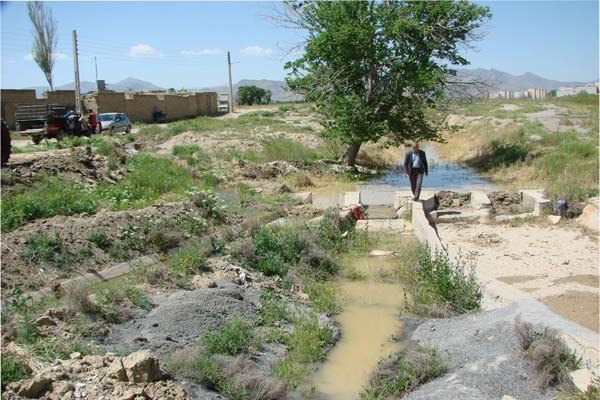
[[453, 216], [480, 200], [535, 200], [423, 230], [351, 198], [402, 198], [427, 198]]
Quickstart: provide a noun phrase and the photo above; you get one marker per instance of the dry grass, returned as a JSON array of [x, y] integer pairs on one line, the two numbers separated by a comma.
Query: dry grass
[[548, 354]]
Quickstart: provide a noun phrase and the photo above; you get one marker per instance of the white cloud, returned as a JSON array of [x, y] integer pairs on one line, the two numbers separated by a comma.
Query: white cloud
[[57, 57], [256, 51], [203, 52], [143, 50]]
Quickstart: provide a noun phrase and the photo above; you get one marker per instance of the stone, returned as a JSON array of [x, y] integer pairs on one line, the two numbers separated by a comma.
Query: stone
[[35, 387], [116, 371], [590, 217], [582, 378], [303, 197], [403, 211], [554, 219], [45, 320], [351, 198], [203, 281], [141, 367], [480, 200], [507, 397], [382, 253], [57, 313], [75, 356], [535, 201]]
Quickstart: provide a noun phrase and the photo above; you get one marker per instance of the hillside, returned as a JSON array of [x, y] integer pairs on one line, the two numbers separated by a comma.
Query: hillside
[[88, 86], [279, 91], [499, 80]]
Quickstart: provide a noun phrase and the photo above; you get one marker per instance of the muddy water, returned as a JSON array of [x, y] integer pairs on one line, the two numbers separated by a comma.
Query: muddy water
[[368, 322]]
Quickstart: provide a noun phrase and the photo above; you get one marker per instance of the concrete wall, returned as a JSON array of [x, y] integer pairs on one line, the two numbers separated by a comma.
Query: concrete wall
[[423, 229], [137, 106]]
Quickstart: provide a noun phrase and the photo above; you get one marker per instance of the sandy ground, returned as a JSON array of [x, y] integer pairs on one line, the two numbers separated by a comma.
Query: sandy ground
[[552, 120], [557, 266]]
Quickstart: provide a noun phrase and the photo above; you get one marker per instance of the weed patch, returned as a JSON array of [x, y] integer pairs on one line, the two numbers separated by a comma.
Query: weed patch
[[234, 337], [14, 368]]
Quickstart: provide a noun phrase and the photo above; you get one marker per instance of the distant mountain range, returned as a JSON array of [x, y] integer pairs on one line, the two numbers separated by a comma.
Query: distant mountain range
[[499, 80], [494, 79]]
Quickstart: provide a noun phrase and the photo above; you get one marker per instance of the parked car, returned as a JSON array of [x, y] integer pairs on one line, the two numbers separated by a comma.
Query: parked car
[[114, 122]]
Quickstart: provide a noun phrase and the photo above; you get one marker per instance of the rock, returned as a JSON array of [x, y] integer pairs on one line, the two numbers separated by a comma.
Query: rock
[[507, 397], [382, 253], [57, 313], [303, 197], [203, 281], [142, 366], [582, 378], [116, 371], [34, 387], [402, 198], [45, 320], [591, 214], [535, 201], [554, 219], [480, 200], [75, 356], [403, 211]]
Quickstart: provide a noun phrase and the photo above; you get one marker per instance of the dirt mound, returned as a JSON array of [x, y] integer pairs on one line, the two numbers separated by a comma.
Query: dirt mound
[[182, 317], [80, 164], [137, 376], [42, 252]]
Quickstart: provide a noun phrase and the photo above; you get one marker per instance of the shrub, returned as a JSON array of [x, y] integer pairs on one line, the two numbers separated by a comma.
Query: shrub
[[209, 203], [189, 260], [271, 309], [443, 286], [323, 297], [232, 338], [14, 368], [100, 239], [403, 372], [549, 355]]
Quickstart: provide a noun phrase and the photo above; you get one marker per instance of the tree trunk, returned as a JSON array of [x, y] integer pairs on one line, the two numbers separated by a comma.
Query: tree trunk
[[349, 156]]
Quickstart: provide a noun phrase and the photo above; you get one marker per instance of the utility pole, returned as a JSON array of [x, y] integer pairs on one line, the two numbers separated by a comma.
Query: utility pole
[[230, 84], [76, 67], [97, 88]]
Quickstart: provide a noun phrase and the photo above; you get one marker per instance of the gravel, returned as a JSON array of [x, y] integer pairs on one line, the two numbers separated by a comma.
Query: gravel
[[483, 356]]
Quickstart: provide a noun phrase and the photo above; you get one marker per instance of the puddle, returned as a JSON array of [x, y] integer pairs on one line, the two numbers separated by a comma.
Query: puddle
[[368, 322]]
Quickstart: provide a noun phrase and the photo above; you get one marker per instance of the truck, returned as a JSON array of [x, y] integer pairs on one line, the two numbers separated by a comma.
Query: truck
[[44, 121]]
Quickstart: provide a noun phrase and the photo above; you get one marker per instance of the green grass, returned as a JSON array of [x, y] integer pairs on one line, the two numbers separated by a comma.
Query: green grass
[[68, 142], [14, 368], [285, 149], [189, 260], [403, 372], [40, 248], [234, 337], [441, 287], [323, 297]]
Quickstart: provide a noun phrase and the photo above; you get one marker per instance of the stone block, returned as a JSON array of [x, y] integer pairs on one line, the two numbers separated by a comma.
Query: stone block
[[480, 200], [402, 198], [351, 198], [535, 200], [590, 217], [302, 197]]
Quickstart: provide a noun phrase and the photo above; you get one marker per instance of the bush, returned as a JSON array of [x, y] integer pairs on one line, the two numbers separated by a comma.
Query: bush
[[232, 338], [100, 239], [549, 355], [14, 368], [41, 248], [323, 297], [271, 309], [442, 286], [210, 204], [189, 260], [403, 372]]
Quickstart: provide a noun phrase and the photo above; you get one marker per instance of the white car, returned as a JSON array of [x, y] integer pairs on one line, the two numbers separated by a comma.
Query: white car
[[114, 122]]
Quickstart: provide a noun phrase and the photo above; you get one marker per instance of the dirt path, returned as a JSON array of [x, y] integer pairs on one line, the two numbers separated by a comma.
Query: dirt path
[[557, 266]]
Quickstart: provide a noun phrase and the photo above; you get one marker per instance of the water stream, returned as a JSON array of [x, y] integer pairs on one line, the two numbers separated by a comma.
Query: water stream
[[369, 320]]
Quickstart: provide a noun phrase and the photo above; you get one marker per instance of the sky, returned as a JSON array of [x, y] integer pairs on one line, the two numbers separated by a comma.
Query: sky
[[184, 44]]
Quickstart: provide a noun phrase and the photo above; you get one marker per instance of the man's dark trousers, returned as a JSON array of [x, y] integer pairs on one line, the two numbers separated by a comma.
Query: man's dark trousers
[[416, 180]]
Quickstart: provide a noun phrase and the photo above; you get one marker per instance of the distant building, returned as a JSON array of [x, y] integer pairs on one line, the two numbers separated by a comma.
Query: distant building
[[534, 93], [575, 90]]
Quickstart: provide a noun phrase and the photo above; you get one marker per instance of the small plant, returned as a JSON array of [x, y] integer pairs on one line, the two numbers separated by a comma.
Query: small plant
[[209, 203], [189, 260], [234, 337], [14, 368], [100, 239], [403, 372], [442, 286], [272, 310], [323, 297], [549, 355], [42, 248]]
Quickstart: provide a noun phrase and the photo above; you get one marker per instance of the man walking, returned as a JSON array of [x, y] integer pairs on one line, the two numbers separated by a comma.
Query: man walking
[[415, 165], [93, 121]]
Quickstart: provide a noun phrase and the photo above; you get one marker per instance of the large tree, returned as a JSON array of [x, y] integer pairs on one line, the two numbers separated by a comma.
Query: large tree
[[249, 95], [374, 67], [45, 38]]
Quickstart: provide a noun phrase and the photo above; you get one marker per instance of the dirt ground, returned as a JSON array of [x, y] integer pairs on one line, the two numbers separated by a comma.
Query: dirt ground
[[558, 266]]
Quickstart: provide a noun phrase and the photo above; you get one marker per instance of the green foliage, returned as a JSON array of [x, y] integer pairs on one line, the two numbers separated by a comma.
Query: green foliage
[[50, 197], [211, 205], [234, 337], [14, 368], [441, 286], [42, 248], [323, 297], [194, 155], [373, 67], [189, 260], [271, 309], [100, 239], [276, 246], [403, 372], [285, 149], [498, 154], [250, 95]]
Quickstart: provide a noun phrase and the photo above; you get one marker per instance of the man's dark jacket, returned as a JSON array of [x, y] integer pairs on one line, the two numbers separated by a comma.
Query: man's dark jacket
[[408, 161]]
